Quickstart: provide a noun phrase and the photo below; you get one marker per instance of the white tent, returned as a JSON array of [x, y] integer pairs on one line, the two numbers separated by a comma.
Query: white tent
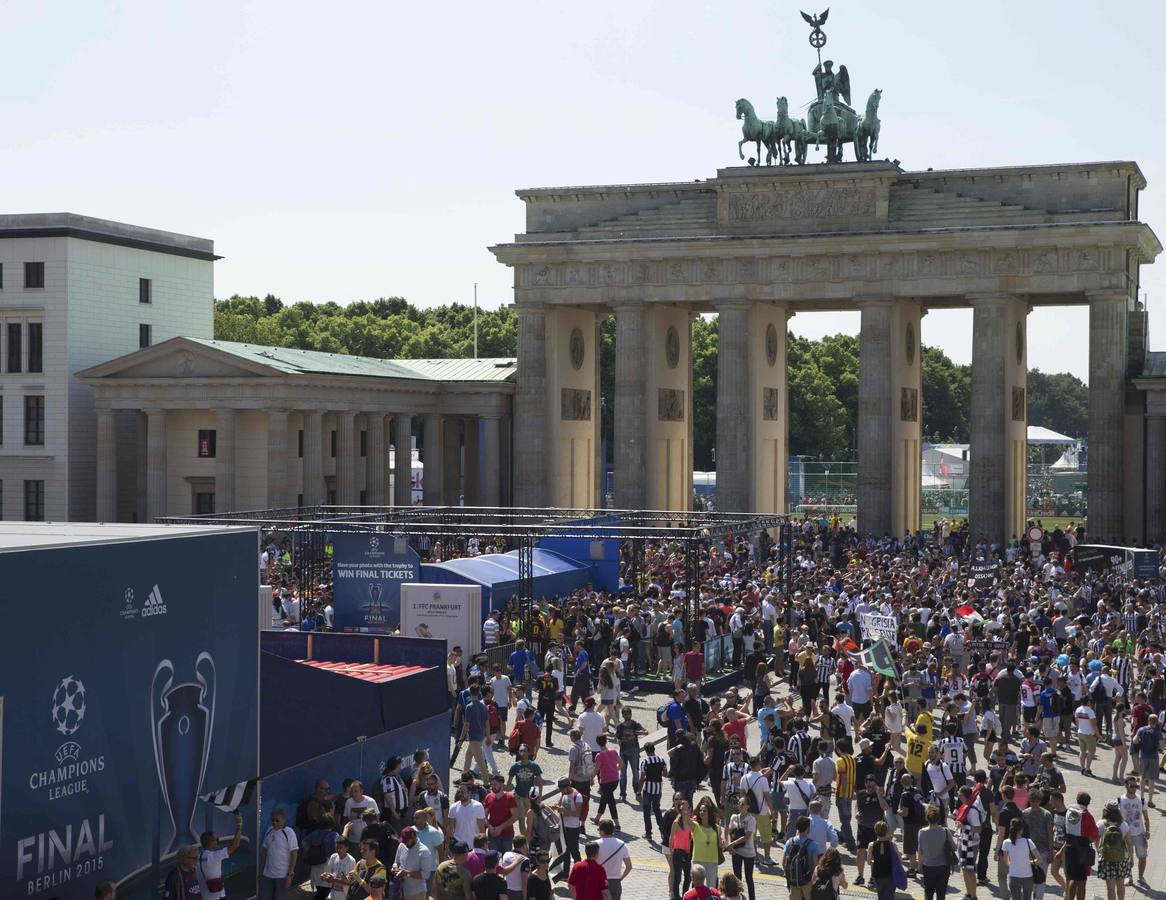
[[934, 483], [1069, 460], [1039, 435]]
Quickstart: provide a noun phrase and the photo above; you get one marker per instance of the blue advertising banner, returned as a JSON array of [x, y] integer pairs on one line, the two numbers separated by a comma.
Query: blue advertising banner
[[367, 571], [137, 693]]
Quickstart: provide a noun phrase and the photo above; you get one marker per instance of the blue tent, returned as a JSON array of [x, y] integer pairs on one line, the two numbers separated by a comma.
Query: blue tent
[[497, 573]]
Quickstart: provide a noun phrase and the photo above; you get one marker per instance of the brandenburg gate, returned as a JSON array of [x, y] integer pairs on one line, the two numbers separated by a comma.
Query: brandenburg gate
[[760, 243]]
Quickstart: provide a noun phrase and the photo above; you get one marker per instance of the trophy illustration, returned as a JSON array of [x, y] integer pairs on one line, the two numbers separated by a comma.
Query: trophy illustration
[[181, 719], [374, 596]]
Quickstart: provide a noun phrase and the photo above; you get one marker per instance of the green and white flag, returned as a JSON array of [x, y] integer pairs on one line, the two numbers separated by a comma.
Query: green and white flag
[[879, 658]]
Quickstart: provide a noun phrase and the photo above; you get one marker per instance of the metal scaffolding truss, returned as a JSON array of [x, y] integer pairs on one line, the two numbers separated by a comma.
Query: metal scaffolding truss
[[522, 529]]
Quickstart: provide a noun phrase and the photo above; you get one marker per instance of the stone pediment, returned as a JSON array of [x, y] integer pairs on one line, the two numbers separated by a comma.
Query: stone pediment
[[178, 358]]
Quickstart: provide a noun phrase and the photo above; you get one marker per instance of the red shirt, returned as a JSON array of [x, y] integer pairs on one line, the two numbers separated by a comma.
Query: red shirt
[[694, 665], [845, 667], [588, 879], [701, 893], [1141, 715], [735, 727], [499, 808], [528, 733]]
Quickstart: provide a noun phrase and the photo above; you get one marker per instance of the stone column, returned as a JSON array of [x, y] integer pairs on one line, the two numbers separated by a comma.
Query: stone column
[[1156, 472], [630, 472], [277, 475], [531, 411], [472, 462], [374, 462], [431, 459], [451, 453], [999, 445], [346, 459], [491, 461], [314, 490], [1108, 317], [889, 412], [155, 464], [403, 461], [733, 482], [874, 416], [225, 460], [106, 465]]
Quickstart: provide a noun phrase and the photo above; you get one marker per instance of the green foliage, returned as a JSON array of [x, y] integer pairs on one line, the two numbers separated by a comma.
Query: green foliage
[[1059, 401], [823, 375]]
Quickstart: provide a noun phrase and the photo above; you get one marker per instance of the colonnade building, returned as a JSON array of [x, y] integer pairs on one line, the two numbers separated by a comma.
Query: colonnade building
[[759, 245]]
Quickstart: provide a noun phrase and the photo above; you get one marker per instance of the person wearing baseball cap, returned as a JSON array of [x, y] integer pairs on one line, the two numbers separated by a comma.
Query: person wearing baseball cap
[[452, 880], [415, 862]]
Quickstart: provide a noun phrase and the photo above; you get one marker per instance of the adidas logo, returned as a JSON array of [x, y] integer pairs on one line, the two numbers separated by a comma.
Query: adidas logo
[[154, 605]]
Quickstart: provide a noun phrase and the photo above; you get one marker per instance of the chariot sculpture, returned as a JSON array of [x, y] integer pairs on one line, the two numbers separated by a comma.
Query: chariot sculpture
[[830, 119]]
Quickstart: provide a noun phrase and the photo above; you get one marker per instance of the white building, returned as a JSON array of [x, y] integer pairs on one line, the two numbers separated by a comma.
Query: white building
[[74, 292]]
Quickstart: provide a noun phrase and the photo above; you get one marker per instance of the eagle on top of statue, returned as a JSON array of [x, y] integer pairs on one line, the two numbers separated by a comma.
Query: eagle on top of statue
[[816, 21]]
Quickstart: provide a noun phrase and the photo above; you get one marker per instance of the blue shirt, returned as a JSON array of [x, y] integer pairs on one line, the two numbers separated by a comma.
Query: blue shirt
[[821, 834], [1046, 702], [476, 719], [582, 663], [811, 847], [677, 717], [519, 660]]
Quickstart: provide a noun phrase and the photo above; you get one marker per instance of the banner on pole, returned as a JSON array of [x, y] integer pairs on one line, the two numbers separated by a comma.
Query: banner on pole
[[875, 626], [367, 572]]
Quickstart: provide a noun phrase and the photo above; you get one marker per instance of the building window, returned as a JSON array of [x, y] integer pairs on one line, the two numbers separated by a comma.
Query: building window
[[15, 331], [300, 444], [34, 501], [145, 290], [1, 499], [333, 443], [204, 503], [34, 420], [206, 443], [364, 498], [331, 498], [1, 276], [364, 444], [36, 347], [34, 275], [1, 424], [299, 501], [145, 338]]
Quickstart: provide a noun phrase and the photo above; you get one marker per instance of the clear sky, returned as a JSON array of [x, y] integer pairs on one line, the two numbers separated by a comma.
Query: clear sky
[[352, 150]]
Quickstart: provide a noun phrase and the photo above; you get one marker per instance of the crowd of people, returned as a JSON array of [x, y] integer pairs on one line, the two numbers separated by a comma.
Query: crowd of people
[[823, 767]]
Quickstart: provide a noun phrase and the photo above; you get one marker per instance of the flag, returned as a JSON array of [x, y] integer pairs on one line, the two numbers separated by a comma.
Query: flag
[[229, 799], [879, 658], [845, 644], [968, 613]]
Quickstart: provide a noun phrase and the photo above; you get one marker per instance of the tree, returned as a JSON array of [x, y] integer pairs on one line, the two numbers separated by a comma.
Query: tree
[[1059, 401]]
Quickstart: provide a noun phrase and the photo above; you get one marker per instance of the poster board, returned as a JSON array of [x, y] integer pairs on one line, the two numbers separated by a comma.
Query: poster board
[[449, 612]]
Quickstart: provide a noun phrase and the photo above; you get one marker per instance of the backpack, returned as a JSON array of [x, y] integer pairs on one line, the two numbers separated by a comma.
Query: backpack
[[662, 715], [823, 886], [837, 727], [1113, 845], [751, 795], [1073, 819], [513, 741], [1098, 692], [796, 863], [315, 853], [961, 815], [583, 769]]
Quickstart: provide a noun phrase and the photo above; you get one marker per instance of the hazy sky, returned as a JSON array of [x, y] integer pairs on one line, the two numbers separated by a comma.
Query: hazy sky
[[352, 150]]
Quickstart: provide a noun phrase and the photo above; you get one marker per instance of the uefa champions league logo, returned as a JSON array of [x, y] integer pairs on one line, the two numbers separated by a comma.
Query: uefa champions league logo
[[68, 705], [374, 543], [182, 720]]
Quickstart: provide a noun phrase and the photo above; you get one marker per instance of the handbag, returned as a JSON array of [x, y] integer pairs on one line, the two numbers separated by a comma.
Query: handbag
[[949, 853], [1038, 871], [898, 873]]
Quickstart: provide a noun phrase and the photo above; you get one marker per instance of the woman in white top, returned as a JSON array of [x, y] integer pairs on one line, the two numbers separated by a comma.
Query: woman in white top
[[738, 838], [1020, 853], [893, 719]]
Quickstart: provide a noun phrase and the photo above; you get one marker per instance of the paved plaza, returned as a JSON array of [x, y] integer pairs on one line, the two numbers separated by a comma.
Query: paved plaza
[[649, 877]]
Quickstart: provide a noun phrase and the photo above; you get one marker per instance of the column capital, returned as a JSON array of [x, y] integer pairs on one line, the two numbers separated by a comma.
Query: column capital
[[990, 298], [624, 306], [1109, 294], [874, 300], [733, 303], [530, 307]]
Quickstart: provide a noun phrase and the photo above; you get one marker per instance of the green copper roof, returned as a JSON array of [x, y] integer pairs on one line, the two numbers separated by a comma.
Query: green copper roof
[[315, 362]]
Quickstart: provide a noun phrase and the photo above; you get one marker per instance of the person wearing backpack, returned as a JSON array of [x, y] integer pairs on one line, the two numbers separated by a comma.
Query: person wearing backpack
[[829, 878], [799, 861], [581, 768], [759, 800], [1116, 851], [937, 855]]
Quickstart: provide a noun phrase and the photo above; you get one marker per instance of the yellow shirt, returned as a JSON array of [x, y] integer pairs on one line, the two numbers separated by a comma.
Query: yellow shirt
[[704, 844], [555, 629], [917, 746]]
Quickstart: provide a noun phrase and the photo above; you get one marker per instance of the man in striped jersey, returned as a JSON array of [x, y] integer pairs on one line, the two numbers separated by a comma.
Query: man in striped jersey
[[953, 750], [800, 742], [653, 770], [826, 667]]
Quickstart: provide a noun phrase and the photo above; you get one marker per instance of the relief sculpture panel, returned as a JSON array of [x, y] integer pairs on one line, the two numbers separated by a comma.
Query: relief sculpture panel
[[576, 405], [670, 405]]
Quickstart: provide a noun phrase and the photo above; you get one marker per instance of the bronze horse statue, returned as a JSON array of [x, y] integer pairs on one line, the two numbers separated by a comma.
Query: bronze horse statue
[[791, 131], [866, 140], [754, 130]]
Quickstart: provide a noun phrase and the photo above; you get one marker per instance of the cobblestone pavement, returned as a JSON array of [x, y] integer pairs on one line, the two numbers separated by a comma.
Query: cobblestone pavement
[[649, 877]]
